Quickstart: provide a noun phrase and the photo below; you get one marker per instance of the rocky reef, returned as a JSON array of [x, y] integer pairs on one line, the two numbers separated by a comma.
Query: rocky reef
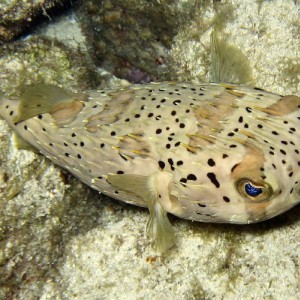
[[18, 17]]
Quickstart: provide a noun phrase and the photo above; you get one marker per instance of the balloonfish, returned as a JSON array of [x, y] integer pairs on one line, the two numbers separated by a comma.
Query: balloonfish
[[207, 152]]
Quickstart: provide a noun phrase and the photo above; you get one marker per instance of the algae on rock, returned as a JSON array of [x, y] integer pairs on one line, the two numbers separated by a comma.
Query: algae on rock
[[40, 59]]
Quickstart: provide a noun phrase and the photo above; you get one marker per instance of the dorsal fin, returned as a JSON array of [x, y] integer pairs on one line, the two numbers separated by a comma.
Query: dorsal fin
[[228, 63], [47, 98]]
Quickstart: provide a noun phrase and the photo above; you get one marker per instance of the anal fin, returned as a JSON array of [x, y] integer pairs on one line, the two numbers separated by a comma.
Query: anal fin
[[159, 227]]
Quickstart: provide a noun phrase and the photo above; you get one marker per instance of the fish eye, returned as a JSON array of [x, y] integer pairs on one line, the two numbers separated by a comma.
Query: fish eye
[[254, 192]]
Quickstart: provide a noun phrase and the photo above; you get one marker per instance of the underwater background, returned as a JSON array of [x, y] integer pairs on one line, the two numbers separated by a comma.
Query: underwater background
[[61, 240]]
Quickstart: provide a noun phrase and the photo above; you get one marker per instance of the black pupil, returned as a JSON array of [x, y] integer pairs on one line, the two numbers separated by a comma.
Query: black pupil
[[252, 191]]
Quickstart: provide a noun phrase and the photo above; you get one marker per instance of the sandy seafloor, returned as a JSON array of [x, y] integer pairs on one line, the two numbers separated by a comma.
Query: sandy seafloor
[[107, 256]]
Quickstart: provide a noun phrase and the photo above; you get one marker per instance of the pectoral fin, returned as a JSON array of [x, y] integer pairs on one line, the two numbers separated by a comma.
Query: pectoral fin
[[159, 227]]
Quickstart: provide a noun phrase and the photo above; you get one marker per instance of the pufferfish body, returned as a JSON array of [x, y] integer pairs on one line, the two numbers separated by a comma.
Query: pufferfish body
[[206, 152]]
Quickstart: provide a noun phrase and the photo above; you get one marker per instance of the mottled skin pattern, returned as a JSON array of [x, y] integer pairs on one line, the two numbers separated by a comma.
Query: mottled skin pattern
[[203, 143]]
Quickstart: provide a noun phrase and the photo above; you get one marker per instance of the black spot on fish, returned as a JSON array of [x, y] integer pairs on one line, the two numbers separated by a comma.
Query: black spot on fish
[[161, 164], [282, 151], [213, 179], [170, 161], [226, 199], [211, 162], [192, 177], [182, 181]]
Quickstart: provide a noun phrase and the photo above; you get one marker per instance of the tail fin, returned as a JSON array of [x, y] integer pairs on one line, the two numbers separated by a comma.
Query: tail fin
[[7, 108]]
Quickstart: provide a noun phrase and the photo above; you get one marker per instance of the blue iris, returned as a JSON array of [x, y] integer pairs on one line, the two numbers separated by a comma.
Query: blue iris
[[252, 191]]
